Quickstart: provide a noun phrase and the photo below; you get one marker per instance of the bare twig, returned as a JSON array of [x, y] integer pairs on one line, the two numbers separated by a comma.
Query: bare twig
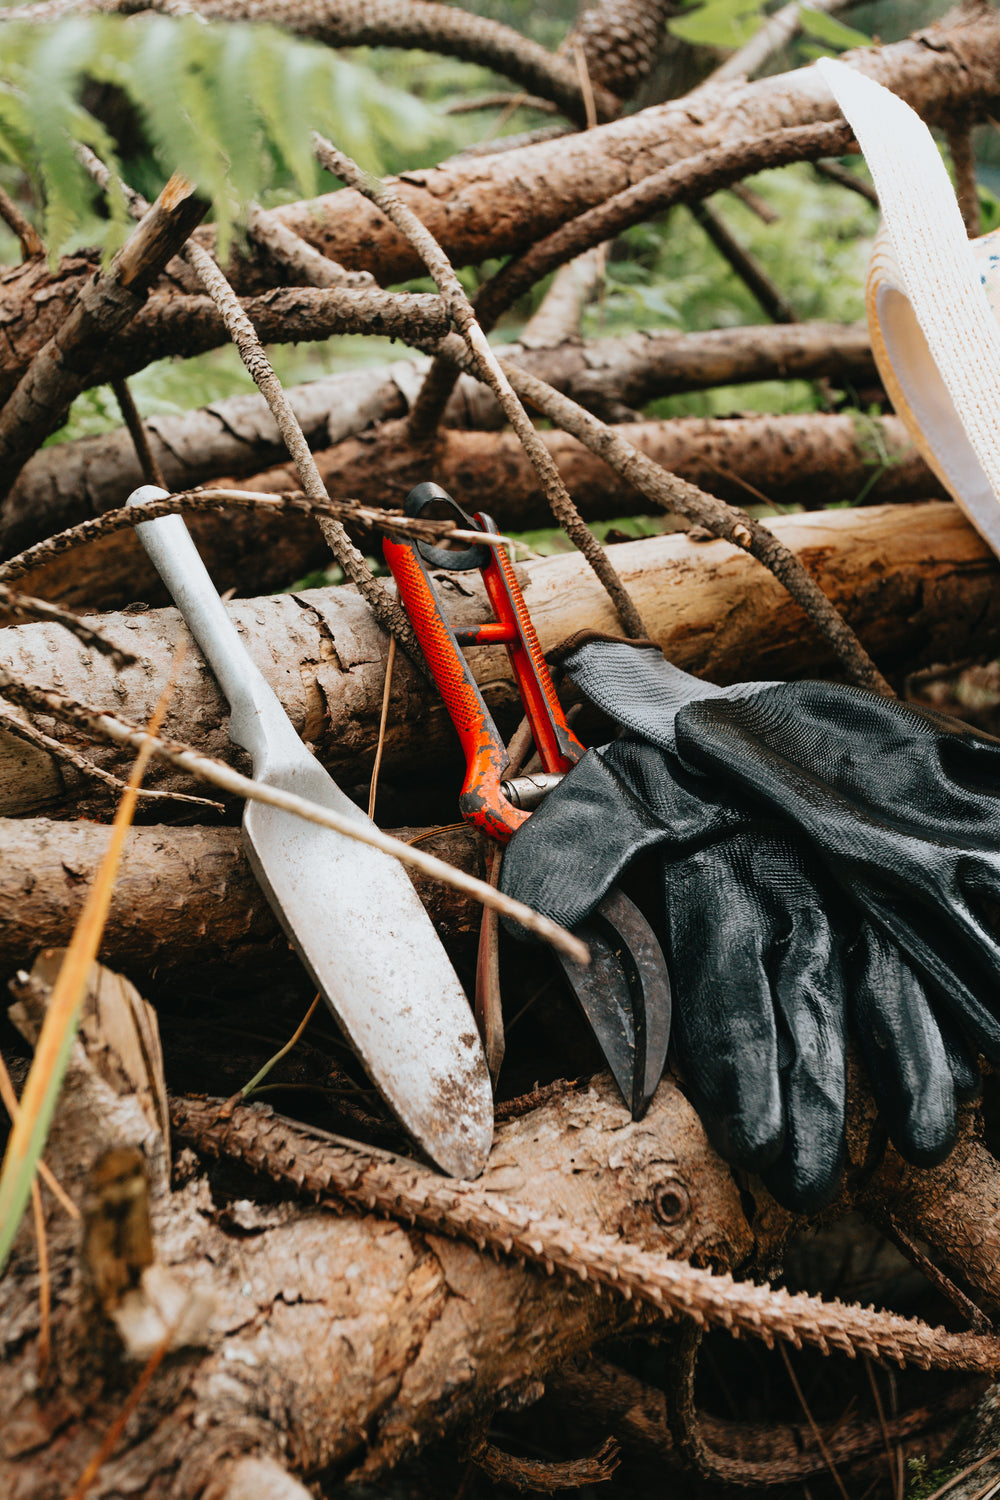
[[387, 611], [59, 370], [32, 243], [543, 1478], [488, 366], [383, 717], [214, 500], [683, 182], [151, 471], [776, 32], [672, 493], [207, 768], [296, 256], [963, 162], [32, 735], [25, 607], [834, 172], [747, 268], [323, 1165]]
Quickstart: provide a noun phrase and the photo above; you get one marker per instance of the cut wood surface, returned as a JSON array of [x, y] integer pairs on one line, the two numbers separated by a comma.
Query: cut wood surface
[[916, 582]]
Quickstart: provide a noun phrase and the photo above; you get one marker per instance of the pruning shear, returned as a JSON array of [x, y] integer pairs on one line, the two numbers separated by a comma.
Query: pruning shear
[[625, 991]]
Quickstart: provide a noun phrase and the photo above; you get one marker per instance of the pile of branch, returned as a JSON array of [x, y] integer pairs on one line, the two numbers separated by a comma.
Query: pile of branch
[[313, 1306]]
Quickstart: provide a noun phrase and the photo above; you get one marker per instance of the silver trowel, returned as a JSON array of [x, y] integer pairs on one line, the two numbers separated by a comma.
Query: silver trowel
[[349, 910]]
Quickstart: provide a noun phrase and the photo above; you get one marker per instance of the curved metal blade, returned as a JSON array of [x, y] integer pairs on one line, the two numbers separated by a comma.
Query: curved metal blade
[[625, 996], [356, 921]]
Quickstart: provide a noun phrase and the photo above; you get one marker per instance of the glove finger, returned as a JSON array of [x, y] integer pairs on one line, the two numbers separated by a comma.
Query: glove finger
[[903, 806], [759, 1008], [636, 687], [724, 1024], [967, 1078], [807, 983], [903, 1049]]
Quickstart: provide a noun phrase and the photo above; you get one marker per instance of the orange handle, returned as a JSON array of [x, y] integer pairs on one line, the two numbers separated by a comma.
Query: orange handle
[[481, 800], [557, 745]]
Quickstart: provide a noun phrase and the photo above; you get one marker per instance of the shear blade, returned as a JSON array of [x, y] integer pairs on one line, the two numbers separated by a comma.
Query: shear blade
[[625, 995]]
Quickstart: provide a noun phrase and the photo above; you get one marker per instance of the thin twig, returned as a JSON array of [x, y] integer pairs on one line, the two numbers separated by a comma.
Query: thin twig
[[151, 471], [388, 522], [261, 1074], [673, 493], [32, 244], [206, 768], [114, 1432], [775, 32], [488, 366], [383, 718], [813, 1425], [293, 254], [32, 735], [390, 615], [834, 172], [963, 161], [26, 607], [746, 266], [546, 1478], [686, 181], [890, 1456]]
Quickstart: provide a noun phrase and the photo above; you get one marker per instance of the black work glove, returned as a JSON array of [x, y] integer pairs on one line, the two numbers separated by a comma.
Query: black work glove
[[769, 962]]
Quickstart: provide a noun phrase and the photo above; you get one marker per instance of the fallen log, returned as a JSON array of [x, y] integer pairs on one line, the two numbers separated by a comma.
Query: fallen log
[[916, 582], [185, 897], [479, 208], [60, 486], [812, 460], [317, 1341]]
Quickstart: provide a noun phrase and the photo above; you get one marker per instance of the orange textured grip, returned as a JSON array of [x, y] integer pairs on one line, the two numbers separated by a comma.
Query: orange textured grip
[[481, 800], [557, 745]]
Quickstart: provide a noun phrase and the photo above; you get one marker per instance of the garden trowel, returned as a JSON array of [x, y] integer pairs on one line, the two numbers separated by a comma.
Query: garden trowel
[[349, 910]]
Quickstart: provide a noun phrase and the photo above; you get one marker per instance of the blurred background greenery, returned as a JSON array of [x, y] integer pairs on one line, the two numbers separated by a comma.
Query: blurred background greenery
[[233, 106]]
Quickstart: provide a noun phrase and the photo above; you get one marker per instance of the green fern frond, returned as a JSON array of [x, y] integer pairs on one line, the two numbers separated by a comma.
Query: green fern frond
[[232, 107]]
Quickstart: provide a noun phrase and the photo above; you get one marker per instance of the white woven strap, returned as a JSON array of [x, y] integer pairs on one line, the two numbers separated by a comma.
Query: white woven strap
[[934, 335]]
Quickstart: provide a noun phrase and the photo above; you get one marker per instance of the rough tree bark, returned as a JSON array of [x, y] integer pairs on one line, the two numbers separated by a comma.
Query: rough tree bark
[[917, 582], [339, 1310], [238, 436]]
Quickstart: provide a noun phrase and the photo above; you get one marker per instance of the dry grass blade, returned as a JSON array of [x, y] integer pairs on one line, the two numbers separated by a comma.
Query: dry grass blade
[[386, 691], [41, 1091], [261, 1074], [45, 1172]]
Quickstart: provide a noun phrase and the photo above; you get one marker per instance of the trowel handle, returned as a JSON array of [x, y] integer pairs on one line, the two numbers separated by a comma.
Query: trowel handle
[[257, 719]]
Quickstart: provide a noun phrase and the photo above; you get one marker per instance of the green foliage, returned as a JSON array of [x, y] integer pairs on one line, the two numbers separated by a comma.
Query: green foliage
[[828, 29], [731, 23], [232, 107], [665, 273], [719, 23]]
